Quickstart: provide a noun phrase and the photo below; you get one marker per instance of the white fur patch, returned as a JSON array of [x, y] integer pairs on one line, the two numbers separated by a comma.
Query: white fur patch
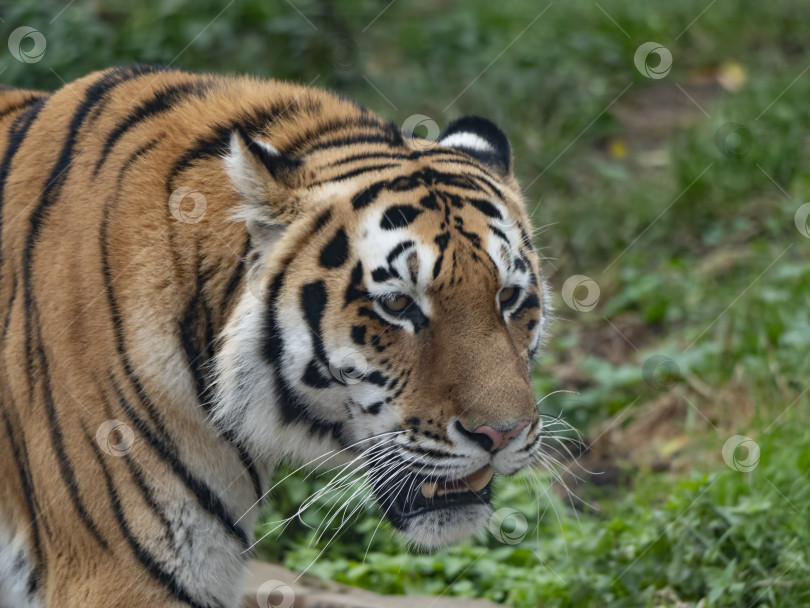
[[15, 568], [468, 141], [248, 176]]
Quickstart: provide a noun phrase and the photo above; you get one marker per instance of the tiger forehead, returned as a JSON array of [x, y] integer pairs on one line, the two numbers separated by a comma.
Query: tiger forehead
[[431, 210], [437, 238]]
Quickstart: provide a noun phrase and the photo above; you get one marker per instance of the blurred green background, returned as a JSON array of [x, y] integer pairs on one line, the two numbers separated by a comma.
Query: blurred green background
[[680, 198]]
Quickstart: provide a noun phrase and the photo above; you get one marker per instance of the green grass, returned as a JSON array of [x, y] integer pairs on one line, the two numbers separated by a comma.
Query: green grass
[[693, 246]]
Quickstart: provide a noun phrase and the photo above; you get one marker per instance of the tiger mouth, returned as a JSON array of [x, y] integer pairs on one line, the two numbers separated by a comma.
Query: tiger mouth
[[403, 498]]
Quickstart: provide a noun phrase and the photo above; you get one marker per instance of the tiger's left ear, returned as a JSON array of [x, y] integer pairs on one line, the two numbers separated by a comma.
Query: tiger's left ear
[[265, 178], [482, 140]]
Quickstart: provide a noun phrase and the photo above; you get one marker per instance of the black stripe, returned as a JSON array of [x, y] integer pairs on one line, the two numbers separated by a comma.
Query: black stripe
[[17, 134], [336, 251], [354, 289], [474, 238], [248, 463], [425, 177], [292, 406], [163, 101], [21, 104], [112, 302], [314, 378], [353, 140], [7, 320], [194, 342], [453, 156], [118, 324], [238, 272], [380, 274], [376, 377], [531, 302], [437, 266], [500, 234], [354, 173], [147, 560], [313, 302], [139, 152], [367, 196], [24, 471], [486, 208], [398, 250], [399, 216], [322, 220], [369, 156], [461, 161], [359, 334], [97, 93], [147, 493], [66, 470], [206, 497], [27, 467], [442, 240], [354, 122], [216, 143]]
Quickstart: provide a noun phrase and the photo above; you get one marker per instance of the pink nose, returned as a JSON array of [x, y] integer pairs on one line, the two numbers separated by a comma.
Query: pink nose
[[498, 439]]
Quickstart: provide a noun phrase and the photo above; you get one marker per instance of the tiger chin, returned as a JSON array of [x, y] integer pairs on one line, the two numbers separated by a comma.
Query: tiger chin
[[203, 276]]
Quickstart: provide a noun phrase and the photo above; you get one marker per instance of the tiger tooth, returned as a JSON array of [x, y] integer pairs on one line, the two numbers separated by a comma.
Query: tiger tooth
[[478, 480], [429, 489]]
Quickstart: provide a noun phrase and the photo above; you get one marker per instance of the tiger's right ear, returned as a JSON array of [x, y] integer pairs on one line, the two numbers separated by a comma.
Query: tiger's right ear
[[265, 179]]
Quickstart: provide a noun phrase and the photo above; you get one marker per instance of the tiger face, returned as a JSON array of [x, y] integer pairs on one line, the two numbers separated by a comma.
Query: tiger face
[[389, 319]]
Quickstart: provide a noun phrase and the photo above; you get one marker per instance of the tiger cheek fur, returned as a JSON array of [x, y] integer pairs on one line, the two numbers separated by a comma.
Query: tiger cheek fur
[[342, 295]]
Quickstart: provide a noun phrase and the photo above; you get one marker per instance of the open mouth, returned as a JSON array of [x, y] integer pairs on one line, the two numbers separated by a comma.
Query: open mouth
[[406, 496]]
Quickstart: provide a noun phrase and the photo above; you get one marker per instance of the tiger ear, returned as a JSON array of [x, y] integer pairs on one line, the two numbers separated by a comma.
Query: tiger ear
[[482, 140], [264, 177]]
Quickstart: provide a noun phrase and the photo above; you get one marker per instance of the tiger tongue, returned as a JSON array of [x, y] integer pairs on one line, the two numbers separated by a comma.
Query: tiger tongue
[[478, 480], [475, 481]]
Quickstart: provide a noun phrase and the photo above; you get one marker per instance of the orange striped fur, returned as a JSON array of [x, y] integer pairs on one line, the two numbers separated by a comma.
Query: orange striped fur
[[201, 276]]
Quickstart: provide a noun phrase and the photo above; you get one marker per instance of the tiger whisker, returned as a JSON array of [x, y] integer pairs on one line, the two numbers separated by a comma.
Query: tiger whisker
[[331, 454]]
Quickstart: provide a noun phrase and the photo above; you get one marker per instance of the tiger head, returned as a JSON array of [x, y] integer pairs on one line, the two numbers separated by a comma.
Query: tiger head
[[391, 312]]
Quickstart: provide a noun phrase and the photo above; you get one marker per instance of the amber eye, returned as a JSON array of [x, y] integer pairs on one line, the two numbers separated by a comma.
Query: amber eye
[[508, 296], [397, 305]]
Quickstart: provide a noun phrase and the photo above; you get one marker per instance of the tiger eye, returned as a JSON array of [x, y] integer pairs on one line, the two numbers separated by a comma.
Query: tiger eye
[[396, 305], [507, 295]]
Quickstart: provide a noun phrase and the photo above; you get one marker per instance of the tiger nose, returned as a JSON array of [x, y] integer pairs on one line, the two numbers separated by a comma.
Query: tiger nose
[[492, 439]]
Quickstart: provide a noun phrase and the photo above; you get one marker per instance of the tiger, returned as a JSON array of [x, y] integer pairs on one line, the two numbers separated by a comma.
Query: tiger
[[205, 276]]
